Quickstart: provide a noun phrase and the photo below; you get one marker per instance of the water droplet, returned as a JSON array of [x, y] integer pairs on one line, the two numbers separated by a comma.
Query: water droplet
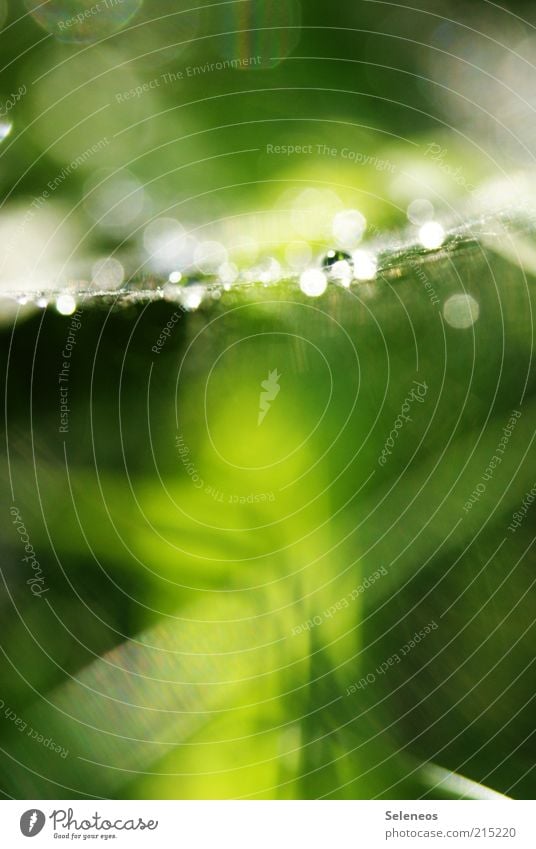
[[348, 228], [365, 265], [192, 296], [420, 211], [461, 311], [175, 277], [342, 272], [65, 304], [332, 257], [431, 235], [313, 282]]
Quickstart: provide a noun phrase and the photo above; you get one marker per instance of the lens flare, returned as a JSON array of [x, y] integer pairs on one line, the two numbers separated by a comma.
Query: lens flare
[[261, 33], [80, 21]]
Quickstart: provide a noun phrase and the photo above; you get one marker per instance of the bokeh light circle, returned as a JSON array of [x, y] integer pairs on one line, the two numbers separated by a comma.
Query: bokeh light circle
[[461, 311]]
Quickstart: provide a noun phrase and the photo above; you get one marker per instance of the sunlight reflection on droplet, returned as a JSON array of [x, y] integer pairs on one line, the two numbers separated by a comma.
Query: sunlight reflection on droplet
[[313, 282], [461, 311], [341, 271], [175, 277], [365, 265], [65, 304], [348, 227], [431, 235], [192, 297]]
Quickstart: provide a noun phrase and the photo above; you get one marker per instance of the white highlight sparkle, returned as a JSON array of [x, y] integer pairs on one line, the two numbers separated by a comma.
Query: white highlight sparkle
[[192, 297], [66, 304], [341, 271], [365, 265], [431, 235], [313, 282]]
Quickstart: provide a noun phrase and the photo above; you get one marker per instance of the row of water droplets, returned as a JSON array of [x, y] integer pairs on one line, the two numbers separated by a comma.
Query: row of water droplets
[[179, 269], [346, 264]]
